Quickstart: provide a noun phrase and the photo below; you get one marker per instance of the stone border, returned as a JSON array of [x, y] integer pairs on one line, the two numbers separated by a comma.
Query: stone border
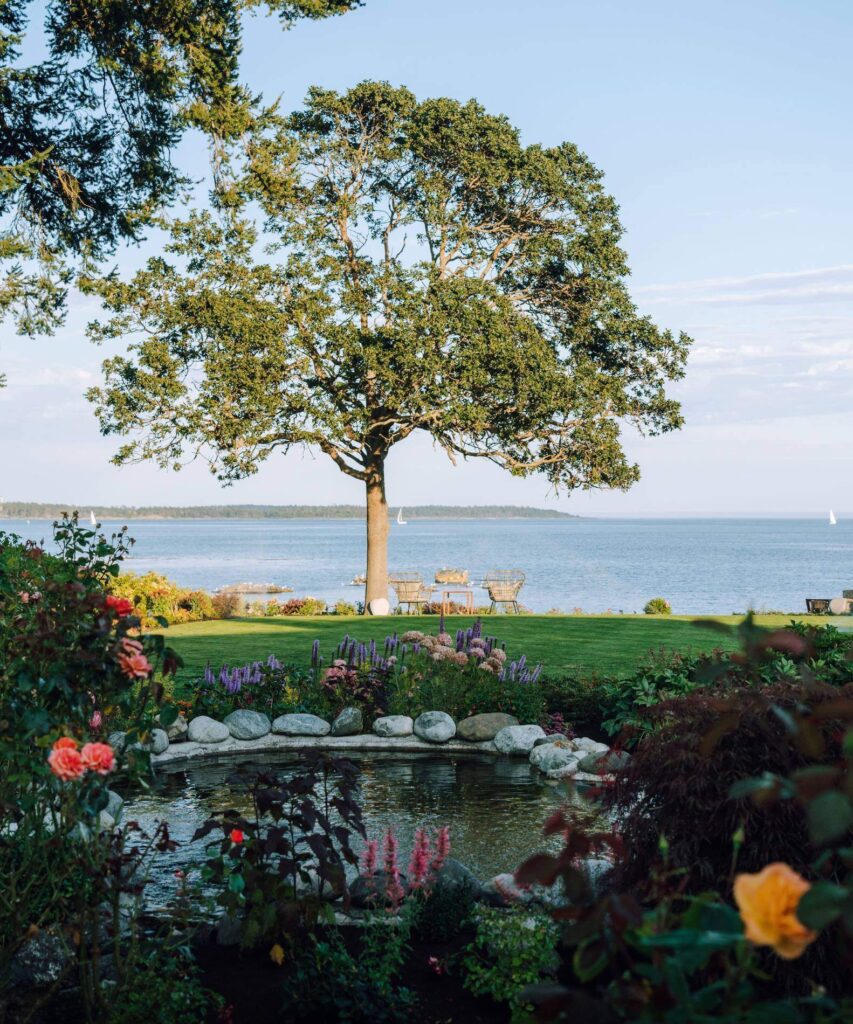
[[187, 750]]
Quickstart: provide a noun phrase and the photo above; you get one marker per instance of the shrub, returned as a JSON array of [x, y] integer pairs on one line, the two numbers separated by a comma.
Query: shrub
[[345, 608], [226, 604], [268, 686], [658, 606], [301, 606], [512, 949], [677, 784], [156, 597]]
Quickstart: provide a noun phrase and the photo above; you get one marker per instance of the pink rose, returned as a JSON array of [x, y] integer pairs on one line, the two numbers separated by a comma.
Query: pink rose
[[66, 763], [98, 757]]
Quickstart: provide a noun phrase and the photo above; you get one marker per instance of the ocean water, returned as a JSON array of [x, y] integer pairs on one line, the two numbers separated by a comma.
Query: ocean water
[[719, 566]]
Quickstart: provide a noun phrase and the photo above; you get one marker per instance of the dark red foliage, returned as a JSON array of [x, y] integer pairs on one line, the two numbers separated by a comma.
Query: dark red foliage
[[677, 784]]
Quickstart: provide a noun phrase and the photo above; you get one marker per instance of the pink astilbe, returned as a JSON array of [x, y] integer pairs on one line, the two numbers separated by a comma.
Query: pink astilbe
[[393, 888], [368, 858], [442, 848], [419, 865]]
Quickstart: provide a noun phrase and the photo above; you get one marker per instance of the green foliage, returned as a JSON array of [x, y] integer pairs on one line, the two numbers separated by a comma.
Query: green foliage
[[512, 949], [461, 692], [658, 606], [226, 605], [157, 598], [90, 128], [329, 983], [443, 912], [345, 608]]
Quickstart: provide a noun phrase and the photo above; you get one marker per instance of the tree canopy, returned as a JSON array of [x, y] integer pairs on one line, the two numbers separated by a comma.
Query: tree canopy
[[424, 271], [87, 130]]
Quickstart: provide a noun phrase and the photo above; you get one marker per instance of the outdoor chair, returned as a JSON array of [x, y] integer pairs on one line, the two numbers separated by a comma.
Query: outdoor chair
[[410, 590], [503, 586], [818, 605]]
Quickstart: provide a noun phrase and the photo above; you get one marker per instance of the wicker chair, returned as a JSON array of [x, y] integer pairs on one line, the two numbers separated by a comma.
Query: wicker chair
[[818, 605], [503, 586], [410, 590]]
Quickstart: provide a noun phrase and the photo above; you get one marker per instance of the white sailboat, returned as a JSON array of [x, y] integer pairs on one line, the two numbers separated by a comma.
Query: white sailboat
[[92, 519], [400, 520], [832, 519]]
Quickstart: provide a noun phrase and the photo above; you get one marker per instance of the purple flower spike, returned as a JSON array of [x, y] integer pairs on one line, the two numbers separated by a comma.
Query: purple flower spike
[[315, 653]]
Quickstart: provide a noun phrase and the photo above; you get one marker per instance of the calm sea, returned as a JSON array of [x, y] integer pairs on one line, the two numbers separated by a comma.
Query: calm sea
[[699, 565]]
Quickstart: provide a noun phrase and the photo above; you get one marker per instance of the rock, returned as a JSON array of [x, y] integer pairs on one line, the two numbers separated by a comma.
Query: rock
[[553, 755], [245, 724], [394, 725], [370, 892], [301, 725], [453, 876], [554, 737], [114, 805], [502, 891], [40, 961], [590, 746], [311, 886], [207, 730], [517, 739], [604, 764], [350, 722], [177, 731], [159, 741], [229, 930], [117, 741], [479, 728], [568, 771], [435, 727]]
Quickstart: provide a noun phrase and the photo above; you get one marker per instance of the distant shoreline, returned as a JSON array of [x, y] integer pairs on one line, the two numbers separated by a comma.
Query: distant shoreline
[[50, 511]]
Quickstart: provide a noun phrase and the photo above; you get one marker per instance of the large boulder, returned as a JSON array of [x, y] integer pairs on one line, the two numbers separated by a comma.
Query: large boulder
[[350, 722], [590, 746], [518, 740], [40, 961], [604, 764], [370, 891], [245, 724], [393, 725], [301, 725], [479, 728], [159, 741], [207, 730], [454, 877], [435, 727], [553, 755]]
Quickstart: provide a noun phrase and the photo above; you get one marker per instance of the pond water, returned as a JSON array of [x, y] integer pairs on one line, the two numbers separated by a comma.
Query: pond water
[[495, 808]]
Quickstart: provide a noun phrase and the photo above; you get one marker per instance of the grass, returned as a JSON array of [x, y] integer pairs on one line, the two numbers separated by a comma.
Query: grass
[[567, 644]]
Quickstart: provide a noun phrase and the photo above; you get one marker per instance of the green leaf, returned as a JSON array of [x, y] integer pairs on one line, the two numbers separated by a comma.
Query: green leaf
[[822, 904], [168, 715], [236, 882], [829, 816]]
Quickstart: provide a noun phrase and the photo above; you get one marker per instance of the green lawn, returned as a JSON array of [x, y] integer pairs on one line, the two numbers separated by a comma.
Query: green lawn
[[608, 644]]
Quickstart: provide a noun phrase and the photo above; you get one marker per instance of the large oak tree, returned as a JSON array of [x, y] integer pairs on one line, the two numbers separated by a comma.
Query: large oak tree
[[94, 96], [427, 272]]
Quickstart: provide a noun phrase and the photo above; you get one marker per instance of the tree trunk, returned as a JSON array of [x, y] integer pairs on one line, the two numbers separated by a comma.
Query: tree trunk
[[377, 534]]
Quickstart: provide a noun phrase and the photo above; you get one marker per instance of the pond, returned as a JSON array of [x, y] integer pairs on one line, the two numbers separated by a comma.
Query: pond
[[495, 808]]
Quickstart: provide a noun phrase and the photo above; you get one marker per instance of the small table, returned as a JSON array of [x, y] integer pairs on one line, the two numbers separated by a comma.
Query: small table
[[447, 595]]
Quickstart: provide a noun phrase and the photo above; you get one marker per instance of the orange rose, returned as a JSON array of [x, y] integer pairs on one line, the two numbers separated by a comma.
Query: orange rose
[[768, 907], [134, 666], [98, 757], [65, 742], [66, 763]]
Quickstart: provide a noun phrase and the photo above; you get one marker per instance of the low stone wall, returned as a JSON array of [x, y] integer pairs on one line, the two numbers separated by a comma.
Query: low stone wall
[[272, 743]]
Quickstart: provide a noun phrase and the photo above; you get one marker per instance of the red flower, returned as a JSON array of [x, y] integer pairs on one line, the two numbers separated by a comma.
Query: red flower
[[134, 666], [119, 605], [66, 763], [236, 835], [98, 758]]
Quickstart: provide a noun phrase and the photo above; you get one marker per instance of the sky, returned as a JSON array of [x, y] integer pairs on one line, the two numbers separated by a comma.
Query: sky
[[723, 133]]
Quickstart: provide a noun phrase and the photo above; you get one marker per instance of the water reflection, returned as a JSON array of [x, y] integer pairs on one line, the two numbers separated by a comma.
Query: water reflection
[[495, 808]]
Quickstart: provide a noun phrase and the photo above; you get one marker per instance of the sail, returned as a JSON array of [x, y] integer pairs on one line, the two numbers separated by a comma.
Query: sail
[[832, 519], [400, 520], [92, 519]]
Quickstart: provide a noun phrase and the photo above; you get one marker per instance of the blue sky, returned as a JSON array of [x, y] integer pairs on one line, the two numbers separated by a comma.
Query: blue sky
[[723, 132]]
